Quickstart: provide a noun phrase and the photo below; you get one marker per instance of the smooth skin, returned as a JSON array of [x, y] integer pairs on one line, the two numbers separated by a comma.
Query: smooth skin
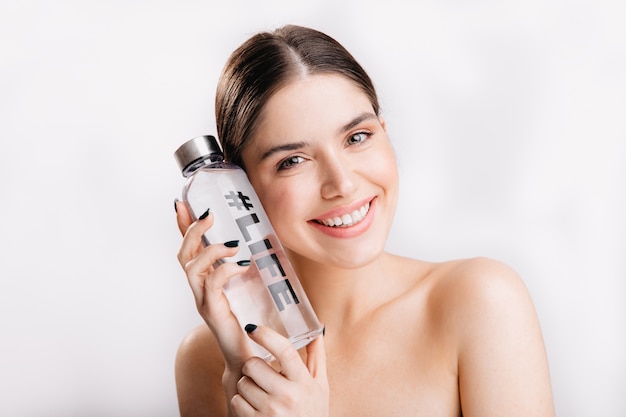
[[403, 337]]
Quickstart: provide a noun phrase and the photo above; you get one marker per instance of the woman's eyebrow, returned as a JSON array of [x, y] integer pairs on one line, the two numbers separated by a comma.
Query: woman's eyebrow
[[281, 148], [358, 119]]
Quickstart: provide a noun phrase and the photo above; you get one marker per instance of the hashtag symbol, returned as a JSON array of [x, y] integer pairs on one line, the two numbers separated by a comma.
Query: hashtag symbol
[[239, 201]]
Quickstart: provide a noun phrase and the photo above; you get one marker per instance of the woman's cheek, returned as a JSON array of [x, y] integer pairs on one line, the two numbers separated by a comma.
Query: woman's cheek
[[279, 205]]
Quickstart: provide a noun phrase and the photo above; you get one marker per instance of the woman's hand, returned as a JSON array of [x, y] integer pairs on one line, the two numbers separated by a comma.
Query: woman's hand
[[207, 282], [251, 385], [297, 389]]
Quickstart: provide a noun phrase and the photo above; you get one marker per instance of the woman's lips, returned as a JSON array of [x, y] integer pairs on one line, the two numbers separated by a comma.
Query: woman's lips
[[347, 219], [346, 222]]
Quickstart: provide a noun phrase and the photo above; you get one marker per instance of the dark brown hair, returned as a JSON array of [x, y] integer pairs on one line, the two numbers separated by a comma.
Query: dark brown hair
[[265, 63]]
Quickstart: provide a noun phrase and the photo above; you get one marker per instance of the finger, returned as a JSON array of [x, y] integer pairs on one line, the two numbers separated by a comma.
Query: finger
[[288, 357], [265, 377], [205, 260], [183, 217], [251, 392], [207, 282], [240, 407], [316, 359], [192, 241]]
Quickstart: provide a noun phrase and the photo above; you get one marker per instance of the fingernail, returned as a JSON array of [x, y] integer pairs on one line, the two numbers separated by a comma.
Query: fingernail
[[324, 331], [204, 215], [245, 262], [250, 328], [175, 207], [231, 243]]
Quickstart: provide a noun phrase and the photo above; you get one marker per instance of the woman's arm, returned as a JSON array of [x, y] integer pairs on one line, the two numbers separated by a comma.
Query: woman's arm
[[199, 368], [502, 362]]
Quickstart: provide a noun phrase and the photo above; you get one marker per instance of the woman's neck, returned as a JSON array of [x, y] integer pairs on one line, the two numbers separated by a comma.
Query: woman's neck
[[346, 296]]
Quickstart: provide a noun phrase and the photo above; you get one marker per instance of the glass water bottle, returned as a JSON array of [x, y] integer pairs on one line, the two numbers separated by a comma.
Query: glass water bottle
[[269, 293]]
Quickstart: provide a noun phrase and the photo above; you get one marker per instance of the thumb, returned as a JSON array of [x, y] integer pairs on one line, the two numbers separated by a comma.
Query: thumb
[[316, 359]]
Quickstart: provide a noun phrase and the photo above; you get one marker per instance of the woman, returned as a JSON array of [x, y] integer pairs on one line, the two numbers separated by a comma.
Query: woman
[[404, 337]]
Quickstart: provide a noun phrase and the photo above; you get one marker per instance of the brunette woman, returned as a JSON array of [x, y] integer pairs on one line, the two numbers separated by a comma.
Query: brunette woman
[[404, 337]]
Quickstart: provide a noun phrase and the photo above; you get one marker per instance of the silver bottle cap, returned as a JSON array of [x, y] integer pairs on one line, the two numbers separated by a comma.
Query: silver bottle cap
[[194, 152]]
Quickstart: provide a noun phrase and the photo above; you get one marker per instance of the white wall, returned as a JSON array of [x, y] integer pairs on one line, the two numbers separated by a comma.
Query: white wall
[[508, 118]]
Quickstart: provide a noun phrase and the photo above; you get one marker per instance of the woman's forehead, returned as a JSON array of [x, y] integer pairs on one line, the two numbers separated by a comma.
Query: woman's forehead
[[305, 102]]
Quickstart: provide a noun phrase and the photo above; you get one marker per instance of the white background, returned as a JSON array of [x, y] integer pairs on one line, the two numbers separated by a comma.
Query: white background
[[508, 118]]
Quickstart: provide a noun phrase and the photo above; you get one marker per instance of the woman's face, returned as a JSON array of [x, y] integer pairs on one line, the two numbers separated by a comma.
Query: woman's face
[[324, 169]]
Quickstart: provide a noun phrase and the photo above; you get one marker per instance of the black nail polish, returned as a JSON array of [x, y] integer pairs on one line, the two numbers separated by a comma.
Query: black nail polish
[[250, 328], [324, 331], [204, 215], [245, 262], [231, 243], [175, 207]]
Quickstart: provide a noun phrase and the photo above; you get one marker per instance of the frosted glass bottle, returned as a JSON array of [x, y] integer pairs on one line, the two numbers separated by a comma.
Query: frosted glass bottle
[[269, 293]]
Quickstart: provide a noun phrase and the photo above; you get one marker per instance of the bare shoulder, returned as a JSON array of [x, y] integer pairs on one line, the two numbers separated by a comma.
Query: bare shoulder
[[481, 295], [477, 283], [199, 370], [478, 270], [500, 351]]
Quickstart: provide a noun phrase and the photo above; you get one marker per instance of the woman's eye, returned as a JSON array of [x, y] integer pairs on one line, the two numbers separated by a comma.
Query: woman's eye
[[357, 138], [290, 162]]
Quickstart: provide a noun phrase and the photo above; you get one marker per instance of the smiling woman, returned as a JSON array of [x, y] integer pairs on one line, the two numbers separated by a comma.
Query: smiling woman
[[344, 150], [297, 111]]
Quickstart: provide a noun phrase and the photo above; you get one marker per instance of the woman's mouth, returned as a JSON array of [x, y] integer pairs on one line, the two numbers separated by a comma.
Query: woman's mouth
[[348, 219]]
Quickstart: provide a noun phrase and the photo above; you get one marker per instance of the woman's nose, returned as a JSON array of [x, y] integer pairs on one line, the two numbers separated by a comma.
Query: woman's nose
[[337, 179]]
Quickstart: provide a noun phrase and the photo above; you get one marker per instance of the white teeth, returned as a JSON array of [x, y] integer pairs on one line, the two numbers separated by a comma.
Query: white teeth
[[348, 219]]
